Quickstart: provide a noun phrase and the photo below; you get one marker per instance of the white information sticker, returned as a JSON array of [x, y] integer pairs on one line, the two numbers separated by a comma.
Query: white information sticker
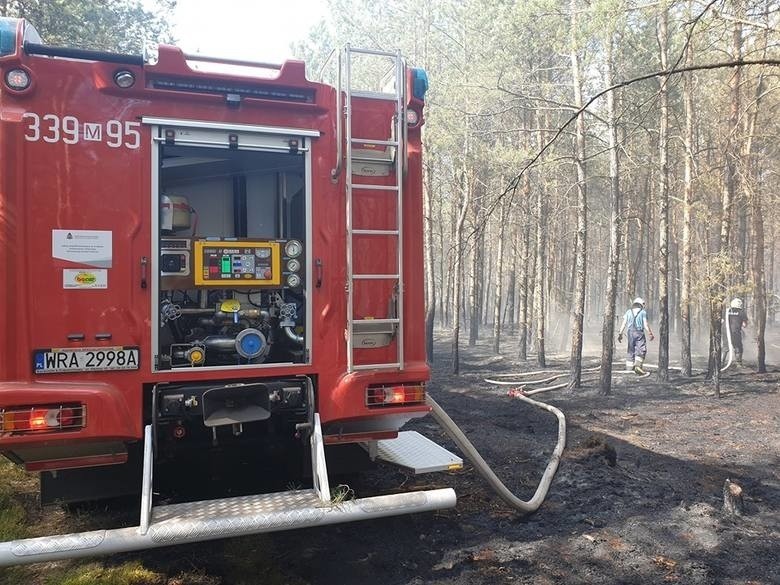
[[88, 247], [83, 279]]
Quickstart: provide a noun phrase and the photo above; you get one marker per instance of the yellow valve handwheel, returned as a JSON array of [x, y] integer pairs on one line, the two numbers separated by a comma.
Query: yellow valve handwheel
[[230, 306]]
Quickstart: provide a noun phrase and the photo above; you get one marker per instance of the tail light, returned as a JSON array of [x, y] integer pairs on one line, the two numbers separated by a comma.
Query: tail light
[[42, 418], [395, 395]]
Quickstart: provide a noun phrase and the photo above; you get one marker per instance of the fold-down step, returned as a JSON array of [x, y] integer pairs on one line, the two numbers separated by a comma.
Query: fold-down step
[[208, 520], [416, 452]]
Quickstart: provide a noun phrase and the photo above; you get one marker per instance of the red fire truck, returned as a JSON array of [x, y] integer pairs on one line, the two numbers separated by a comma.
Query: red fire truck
[[203, 256]]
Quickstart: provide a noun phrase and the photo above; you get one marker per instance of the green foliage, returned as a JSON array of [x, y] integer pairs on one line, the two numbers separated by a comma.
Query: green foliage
[[108, 25], [12, 514], [129, 573]]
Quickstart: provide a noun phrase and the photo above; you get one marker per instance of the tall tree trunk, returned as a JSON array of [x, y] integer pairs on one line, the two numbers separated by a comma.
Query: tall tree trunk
[[457, 285], [575, 380], [608, 327], [752, 193], [511, 287], [499, 282], [524, 272], [687, 251], [760, 283], [729, 191], [474, 292], [663, 200], [540, 279]]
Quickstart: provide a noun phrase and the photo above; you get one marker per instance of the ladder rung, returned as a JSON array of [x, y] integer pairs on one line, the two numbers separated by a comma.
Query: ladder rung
[[375, 232], [375, 276], [375, 95], [378, 161], [376, 366], [377, 321], [374, 187], [376, 52], [375, 142]]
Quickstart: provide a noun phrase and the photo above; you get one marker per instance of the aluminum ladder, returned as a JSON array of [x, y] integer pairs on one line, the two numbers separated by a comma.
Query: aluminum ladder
[[398, 143]]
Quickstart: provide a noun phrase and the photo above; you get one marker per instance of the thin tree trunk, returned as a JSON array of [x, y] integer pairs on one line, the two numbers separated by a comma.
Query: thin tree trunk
[[511, 287], [687, 251], [608, 327], [498, 283], [524, 274], [466, 187], [663, 202], [575, 380], [540, 279], [753, 196], [729, 191], [474, 294]]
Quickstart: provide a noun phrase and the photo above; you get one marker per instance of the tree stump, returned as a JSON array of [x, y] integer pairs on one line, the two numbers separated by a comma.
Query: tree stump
[[732, 498]]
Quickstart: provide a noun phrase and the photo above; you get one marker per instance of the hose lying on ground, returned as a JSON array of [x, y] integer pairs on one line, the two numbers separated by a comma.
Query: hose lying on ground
[[560, 374], [547, 371], [484, 470], [526, 382]]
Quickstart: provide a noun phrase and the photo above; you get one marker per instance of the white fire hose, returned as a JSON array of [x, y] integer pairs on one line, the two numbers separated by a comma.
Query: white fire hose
[[484, 470], [731, 344]]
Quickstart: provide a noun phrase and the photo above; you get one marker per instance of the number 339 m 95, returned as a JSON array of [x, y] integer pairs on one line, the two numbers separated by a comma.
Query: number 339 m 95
[[70, 130]]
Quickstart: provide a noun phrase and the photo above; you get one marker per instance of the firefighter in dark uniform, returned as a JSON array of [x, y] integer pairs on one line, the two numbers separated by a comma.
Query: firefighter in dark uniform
[[737, 320]]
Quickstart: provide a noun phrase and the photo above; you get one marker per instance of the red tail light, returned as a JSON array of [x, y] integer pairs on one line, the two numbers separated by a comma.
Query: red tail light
[[42, 418], [395, 395]]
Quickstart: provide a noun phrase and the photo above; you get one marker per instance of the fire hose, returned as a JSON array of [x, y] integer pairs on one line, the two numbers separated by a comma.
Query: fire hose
[[484, 469], [731, 344]]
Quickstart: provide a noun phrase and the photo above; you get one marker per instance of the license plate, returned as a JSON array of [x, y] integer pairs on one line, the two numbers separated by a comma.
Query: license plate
[[84, 359]]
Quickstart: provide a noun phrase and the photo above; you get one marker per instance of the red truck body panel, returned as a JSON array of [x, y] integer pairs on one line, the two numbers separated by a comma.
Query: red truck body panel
[[76, 155]]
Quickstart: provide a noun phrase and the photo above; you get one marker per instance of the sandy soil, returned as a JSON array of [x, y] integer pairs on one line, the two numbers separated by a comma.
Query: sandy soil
[[637, 498]]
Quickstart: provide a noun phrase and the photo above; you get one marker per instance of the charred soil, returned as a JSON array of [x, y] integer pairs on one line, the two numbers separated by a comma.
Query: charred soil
[[637, 498]]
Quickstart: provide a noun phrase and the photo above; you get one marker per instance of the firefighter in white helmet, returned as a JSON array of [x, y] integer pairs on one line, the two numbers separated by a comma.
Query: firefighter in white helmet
[[635, 323], [737, 321]]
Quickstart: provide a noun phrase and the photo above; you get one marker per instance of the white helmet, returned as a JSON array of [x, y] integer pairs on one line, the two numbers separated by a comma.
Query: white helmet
[[736, 303], [639, 301]]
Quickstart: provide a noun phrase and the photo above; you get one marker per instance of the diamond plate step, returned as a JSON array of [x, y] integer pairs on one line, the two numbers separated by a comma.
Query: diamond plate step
[[207, 520], [416, 452]]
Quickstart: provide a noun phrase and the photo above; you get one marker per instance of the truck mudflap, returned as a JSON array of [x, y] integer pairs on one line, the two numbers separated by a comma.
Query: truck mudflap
[[214, 519]]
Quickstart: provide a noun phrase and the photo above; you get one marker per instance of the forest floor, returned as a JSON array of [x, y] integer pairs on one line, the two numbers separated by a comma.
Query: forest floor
[[637, 497]]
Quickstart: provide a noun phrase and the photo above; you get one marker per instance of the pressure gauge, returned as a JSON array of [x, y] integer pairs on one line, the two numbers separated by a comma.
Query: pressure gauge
[[293, 249], [293, 280], [293, 265]]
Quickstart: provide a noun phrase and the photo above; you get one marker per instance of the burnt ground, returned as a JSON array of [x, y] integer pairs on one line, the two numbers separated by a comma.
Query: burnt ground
[[637, 498]]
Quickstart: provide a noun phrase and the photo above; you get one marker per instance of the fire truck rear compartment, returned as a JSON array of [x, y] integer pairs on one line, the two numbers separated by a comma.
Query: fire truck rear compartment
[[232, 256]]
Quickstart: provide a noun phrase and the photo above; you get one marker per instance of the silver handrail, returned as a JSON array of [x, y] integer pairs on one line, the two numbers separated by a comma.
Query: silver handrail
[[222, 60], [336, 171]]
